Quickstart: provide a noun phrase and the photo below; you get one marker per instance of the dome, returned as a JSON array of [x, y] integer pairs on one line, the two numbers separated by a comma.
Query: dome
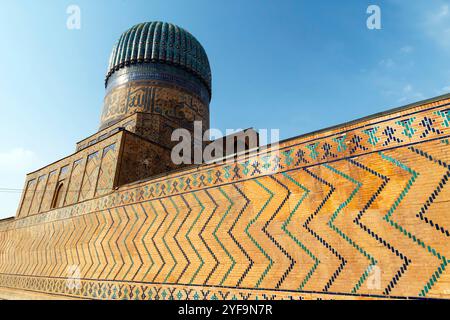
[[163, 43]]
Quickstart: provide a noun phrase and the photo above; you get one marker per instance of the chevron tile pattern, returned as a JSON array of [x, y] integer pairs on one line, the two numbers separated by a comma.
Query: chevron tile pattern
[[364, 225]]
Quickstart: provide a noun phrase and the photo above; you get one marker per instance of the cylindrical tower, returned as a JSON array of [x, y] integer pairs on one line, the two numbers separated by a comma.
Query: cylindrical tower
[[161, 71]]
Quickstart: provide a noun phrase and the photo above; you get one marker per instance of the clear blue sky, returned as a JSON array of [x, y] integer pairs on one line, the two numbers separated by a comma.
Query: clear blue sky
[[294, 65]]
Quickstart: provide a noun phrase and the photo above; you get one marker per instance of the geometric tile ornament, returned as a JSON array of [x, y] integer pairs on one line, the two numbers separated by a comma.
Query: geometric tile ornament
[[315, 219]]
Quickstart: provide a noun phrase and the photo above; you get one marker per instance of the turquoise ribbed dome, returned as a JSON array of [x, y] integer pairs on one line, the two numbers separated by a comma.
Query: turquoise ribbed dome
[[160, 42]]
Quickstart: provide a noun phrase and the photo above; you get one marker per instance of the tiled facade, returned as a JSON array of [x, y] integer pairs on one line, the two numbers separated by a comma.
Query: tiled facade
[[93, 171], [77, 176], [358, 211], [313, 219]]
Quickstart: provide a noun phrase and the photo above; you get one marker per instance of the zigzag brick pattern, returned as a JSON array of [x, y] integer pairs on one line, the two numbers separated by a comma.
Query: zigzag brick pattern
[[314, 219]]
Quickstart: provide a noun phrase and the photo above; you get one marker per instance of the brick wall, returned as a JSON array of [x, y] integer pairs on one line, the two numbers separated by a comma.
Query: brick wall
[[359, 211]]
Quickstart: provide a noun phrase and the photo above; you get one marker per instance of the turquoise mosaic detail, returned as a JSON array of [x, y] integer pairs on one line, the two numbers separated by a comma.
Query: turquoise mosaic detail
[[190, 242], [388, 218], [445, 114], [261, 248], [233, 261], [409, 130], [285, 225], [313, 148], [245, 167], [373, 139], [288, 160], [331, 224], [341, 146]]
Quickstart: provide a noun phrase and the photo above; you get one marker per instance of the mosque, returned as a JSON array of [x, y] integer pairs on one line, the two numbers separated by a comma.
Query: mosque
[[356, 211]]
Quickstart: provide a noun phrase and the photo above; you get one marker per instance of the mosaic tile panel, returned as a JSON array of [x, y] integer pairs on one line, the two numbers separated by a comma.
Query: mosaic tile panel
[[360, 212]]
